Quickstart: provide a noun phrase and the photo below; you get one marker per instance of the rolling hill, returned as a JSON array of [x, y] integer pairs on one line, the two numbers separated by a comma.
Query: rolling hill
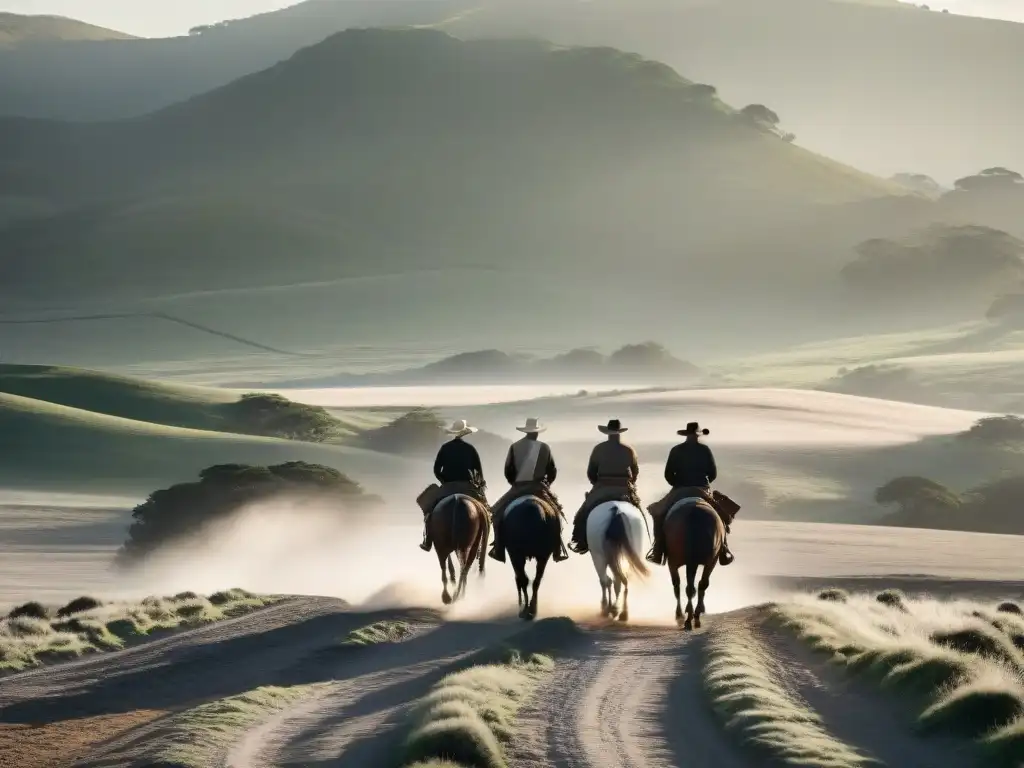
[[859, 101], [18, 30], [389, 153]]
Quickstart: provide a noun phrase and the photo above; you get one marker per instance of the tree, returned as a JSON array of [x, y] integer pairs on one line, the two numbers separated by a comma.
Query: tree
[[171, 514], [990, 179], [761, 116], [939, 257], [996, 429], [259, 413], [704, 90], [918, 182], [917, 498]]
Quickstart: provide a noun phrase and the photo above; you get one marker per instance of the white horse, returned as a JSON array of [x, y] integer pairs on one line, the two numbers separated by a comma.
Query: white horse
[[615, 532]]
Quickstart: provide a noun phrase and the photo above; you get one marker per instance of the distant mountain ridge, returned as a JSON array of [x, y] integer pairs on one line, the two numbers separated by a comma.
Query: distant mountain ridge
[[804, 58], [519, 149], [17, 30], [647, 362]]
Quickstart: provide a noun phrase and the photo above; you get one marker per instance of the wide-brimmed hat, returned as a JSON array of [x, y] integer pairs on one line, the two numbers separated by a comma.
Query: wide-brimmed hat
[[614, 427], [532, 426], [460, 428], [693, 428]]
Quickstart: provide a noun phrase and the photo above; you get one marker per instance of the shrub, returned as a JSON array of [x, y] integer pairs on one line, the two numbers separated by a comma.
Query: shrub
[[834, 595], [183, 509], [31, 610], [973, 710], [996, 429], [892, 598], [79, 605], [24, 626], [1009, 608], [981, 641], [258, 413]]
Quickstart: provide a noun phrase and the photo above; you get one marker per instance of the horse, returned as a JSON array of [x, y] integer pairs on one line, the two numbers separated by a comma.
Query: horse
[[459, 525], [694, 533], [615, 532], [531, 531]]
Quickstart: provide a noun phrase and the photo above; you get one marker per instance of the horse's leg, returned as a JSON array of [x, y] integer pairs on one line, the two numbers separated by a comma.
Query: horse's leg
[[451, 568], [673, 571], [624, 613], [601, 567], [542, 563], [446, 597], [522, 581], [691, 576], [617, 582], [702, 587]]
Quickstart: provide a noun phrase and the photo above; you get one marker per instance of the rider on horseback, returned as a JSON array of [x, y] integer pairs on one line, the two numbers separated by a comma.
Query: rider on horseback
[[458, 470], [612, 472], [690, 470], [530, 470]]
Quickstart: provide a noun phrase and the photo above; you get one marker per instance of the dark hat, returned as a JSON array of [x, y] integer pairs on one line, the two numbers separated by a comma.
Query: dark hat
[[693, 428], [614, 427]]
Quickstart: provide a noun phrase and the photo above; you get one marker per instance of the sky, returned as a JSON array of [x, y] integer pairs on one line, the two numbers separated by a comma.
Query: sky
[[154, 18]]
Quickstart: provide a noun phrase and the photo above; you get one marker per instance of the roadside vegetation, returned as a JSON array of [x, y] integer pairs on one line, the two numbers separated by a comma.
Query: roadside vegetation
[[962, 661], [32, 634], [748, 694]]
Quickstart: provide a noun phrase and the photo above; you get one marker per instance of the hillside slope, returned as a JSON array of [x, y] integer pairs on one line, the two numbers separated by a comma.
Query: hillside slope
[[19, 30], [518, 150], [843, 96]]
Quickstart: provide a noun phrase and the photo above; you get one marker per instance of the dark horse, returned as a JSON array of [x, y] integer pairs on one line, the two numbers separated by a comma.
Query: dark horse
[[531, 531], [459, 525], [694, 534]]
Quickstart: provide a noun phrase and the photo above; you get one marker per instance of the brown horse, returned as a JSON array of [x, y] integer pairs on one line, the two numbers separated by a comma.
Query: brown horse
[[459, 525], [694, 534]]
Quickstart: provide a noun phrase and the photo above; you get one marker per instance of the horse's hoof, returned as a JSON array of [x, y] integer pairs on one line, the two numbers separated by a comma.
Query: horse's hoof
[[696, 623], [688, 625], [446, 599], [624, 616]]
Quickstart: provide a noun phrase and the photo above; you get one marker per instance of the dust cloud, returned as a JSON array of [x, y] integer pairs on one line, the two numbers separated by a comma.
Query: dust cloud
[[376, 563]]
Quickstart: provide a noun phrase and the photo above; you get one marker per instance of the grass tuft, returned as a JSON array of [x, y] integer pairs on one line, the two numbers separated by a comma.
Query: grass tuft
[[1009, 607], [892, 598], [32, 610], [469, 714], [78, 605], [973, 710], [1004, 747], [834, 595], [378, 632], [982, 640]]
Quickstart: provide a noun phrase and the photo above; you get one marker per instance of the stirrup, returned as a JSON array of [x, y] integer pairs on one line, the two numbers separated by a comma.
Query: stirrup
[[726, 557], [497, 554]]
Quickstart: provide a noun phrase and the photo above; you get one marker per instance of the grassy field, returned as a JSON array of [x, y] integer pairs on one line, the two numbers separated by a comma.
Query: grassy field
[[33, 633], [88, 430], [962, 661]]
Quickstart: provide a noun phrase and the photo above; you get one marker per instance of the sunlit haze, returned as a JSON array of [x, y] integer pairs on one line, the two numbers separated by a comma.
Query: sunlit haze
[[168, 19]]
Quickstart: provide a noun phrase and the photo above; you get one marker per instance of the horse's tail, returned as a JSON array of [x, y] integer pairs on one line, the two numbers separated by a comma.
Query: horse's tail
[[457, 507], [621, 546], [702, 541]]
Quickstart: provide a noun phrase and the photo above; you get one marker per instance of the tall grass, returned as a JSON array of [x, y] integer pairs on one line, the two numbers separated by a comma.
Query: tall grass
[[468, 716], [744, 686], [964, 661]]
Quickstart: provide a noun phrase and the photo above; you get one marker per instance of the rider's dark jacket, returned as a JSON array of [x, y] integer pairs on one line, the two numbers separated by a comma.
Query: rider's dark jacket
[[456, 462], [690, 463]]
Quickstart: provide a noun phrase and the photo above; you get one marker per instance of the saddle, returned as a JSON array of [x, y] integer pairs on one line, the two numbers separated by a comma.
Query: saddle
[[434, 494]]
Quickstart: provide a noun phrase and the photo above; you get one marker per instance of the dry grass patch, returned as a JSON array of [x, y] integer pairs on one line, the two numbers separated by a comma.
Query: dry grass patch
[[376, 633], [469, 715], [29, 636], [743, 683], [200, 737], [962, 659]]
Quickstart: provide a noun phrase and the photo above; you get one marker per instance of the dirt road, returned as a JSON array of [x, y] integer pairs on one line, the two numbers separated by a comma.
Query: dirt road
[[620, 696]]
